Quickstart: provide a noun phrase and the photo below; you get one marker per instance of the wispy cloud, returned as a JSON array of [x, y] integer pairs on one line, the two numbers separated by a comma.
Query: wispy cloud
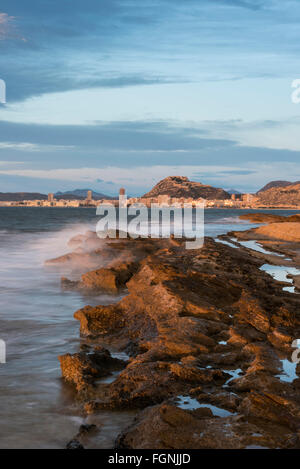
[[5, 22], [33, 147]]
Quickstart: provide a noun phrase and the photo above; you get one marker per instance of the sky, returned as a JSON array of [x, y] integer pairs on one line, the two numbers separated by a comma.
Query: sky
[[108, 93]]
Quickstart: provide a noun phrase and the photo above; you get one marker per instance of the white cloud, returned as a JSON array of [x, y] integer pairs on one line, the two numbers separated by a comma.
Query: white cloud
[[5, 23], [33, 147]]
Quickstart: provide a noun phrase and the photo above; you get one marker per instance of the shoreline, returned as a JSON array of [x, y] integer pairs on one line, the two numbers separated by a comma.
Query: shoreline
[[206, 208], [200, 338]]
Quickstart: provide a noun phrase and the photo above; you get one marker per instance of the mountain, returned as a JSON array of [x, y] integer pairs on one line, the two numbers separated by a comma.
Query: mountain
[[272, 184], [80, 194], [281, 196], [179, 186], [233, 191], [19, 196]]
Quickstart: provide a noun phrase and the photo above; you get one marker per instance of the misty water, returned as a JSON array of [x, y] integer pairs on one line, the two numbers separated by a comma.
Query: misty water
[[37, 410]]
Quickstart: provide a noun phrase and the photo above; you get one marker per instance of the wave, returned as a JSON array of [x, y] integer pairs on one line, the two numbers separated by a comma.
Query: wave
[[228, 221]]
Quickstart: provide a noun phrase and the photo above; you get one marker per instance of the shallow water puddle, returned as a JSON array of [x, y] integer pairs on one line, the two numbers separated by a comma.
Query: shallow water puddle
[[289, 371], [290, 289], [120, 355], [257, 247], [188, 403], [109, 379], [281, 273], [223, 241], [234, 375]]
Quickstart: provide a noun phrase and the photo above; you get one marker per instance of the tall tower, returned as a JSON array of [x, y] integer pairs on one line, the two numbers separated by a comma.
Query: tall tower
[[122, 198], [50, 197], [89, 196]]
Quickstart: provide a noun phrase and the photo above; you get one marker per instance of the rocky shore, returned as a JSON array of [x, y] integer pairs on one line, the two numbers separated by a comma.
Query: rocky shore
[[199, 346]]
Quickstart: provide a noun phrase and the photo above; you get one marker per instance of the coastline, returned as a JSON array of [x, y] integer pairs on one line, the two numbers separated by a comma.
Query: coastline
[[296, 209], [200, 338]]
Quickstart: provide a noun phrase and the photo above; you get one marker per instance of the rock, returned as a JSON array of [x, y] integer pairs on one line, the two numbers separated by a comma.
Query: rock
[[262, 218], [74, 444], [289, 231], [273, 408], [110, 280], [168, 427], [100, 320], [82, 369], [86, 430], [180, 305], [69, 284], [264, 358], [251, 312]]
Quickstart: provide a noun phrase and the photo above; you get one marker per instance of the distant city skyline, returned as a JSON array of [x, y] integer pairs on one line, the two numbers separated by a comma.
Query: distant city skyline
[[112, 93]]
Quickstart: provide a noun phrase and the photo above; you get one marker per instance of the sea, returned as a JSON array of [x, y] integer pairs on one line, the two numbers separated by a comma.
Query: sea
[[37, 409]]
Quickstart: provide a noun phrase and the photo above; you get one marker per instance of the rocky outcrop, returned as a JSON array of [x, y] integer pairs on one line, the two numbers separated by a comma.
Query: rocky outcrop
[[280, 231], [206, 325], [168, 427], [269, 218], [83, 368], [284, 233], [110, 280], [179, 186]]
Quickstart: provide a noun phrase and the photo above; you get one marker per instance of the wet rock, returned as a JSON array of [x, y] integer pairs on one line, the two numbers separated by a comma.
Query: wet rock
[[273, 408], [69, 284], [281, 339], [168, 427], [262, 218], [74, 444], [86, 429], [180, 305], [82, 369], [100, 320], [264, 358], [110, 280], [257, 381], [251, 312]]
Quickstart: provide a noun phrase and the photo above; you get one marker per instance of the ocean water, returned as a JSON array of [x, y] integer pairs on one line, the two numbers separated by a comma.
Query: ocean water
[[37, 410]]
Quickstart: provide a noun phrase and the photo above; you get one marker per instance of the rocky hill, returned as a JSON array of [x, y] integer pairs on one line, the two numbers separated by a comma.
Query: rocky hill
[[80, 194], [19, 196], [281, 196], [272, 184], [179, 186]]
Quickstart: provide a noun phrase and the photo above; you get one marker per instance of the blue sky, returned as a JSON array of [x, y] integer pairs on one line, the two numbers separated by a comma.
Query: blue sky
[[110, 93]]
